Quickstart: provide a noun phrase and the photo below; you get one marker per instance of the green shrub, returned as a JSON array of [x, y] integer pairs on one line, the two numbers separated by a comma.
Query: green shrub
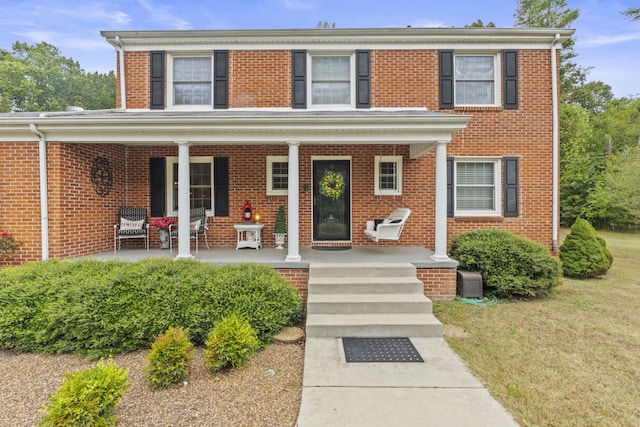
[[169, 358], [230, 344], [511, 266], [583, 253], [87, 397], [99, 308]]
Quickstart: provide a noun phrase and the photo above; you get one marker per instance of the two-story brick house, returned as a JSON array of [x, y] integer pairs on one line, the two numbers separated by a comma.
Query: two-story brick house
[[459, 125]]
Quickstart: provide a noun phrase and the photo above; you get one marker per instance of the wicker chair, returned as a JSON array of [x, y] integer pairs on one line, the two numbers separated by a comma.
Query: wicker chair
[[198, 227], [132, 224], [391, 227]]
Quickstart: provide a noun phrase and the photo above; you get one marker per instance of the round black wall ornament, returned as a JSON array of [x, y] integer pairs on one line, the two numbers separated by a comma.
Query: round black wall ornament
[[101, 176]]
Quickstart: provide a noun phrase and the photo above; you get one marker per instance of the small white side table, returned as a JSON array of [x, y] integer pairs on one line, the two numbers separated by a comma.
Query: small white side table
[[248, 235]]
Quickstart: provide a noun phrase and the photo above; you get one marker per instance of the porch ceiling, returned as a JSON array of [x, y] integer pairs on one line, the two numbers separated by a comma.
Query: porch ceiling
[[419, 128]]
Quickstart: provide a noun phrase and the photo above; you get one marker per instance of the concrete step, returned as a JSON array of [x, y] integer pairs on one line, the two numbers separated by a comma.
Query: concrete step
[[361, 270], [372, 325], [365, 285], [367, 303]]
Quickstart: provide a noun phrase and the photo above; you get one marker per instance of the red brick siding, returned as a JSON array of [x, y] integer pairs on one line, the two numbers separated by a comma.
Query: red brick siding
[[259, 79], [439, 284], [20, 198], [298, 277], [136, 68]]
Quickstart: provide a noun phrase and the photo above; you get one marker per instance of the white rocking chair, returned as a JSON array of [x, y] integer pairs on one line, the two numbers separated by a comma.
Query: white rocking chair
[[391, 227]]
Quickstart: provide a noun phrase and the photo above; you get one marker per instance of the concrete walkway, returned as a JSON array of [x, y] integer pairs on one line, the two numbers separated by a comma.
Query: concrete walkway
[[439, 392]]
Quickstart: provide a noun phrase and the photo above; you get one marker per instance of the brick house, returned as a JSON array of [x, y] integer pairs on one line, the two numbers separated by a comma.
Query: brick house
[[459, 125]]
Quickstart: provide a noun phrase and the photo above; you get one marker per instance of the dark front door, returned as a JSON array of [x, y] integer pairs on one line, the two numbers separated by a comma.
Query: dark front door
[[331, 200]]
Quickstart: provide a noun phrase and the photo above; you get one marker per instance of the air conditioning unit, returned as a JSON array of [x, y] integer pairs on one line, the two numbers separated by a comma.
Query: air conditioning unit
[[469, 284]]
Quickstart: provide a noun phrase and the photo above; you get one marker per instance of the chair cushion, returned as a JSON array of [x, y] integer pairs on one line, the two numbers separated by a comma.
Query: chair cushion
[[127, 224]]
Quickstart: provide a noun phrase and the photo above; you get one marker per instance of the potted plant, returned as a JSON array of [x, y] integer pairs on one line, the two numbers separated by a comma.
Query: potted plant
[[280, 229], [163, 228]]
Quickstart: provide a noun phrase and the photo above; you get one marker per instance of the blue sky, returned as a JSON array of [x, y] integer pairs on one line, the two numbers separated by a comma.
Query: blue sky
[[606, 41]]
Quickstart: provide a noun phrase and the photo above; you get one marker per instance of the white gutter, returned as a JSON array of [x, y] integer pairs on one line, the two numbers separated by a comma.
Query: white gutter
[[123, 86], [556, 146], [44, 199]]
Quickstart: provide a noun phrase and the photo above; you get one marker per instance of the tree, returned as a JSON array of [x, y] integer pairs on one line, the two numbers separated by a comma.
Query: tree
[[593, 96], [555, 14], [632, 13], [480, 24], [39, 78]]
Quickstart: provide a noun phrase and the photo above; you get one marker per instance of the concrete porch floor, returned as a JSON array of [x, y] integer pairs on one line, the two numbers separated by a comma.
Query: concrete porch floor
[[274, 258]]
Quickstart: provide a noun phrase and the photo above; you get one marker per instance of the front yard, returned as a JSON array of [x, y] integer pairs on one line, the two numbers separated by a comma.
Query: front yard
[[572, 359]]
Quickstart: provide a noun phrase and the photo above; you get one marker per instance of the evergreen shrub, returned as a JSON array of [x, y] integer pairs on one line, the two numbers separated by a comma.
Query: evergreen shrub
[[511, 266], [87, 397], [231, 343], [583, 253], [169, 358], [99, 308]]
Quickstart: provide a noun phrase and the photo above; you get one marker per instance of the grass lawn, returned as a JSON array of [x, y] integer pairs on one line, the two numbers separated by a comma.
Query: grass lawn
[[572, 359]]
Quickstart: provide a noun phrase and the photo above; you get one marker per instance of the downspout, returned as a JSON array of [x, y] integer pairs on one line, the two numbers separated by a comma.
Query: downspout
[[44, 199], [556, 146], [123, 94]]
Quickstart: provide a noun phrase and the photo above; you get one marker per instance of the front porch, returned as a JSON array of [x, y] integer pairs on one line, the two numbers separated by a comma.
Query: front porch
[[438, 276]]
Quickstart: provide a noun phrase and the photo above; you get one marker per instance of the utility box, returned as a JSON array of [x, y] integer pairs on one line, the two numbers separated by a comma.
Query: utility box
[[469, 284]]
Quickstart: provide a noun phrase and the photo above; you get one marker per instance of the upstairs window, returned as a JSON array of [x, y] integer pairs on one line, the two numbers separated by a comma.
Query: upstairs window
[[388, 175], [332, 80], [475, 79], [191, 79]]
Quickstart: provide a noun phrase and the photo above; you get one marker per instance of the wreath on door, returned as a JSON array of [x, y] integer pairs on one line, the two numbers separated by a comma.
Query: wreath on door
[[332, 185]]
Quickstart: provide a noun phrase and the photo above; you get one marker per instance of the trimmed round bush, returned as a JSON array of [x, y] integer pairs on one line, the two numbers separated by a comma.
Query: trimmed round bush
[[583, 253], [230, 344], [87, 397], [169, 358], [511, 266]]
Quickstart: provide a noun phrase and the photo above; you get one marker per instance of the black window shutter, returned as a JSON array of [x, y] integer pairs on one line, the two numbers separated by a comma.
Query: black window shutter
[[450, 200], [446, 79], [221, 79], [221, 186], [363, 79], [510, 79], [157, 182], [299, 79], [156, 71], [511, 186]]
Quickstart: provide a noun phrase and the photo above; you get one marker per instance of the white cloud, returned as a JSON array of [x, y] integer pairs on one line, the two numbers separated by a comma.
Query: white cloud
[[165, 16], [603, 40], [65, 40]]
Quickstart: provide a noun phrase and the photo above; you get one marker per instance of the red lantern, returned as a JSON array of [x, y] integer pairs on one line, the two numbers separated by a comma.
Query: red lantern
[[247, 212]]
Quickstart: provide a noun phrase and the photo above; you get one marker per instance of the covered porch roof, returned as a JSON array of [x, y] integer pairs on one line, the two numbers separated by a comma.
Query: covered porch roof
[[419, 128]]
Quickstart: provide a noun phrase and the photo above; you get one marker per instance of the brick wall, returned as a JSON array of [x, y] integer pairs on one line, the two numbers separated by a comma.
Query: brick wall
[[259, 79]]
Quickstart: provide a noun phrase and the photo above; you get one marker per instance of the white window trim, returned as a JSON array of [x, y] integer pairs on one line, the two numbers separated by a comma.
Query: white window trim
[[169, 83], [383, 192], [352, 77], [497, 78], [497, 187], [169, 182], [270, 161]]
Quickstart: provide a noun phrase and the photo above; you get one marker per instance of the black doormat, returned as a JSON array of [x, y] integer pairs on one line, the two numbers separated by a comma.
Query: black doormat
[[331, 248], [398, 350]]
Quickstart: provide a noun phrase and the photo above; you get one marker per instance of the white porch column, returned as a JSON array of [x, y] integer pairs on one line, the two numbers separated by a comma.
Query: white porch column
[[441, 203], [184, 243], [293, 225]]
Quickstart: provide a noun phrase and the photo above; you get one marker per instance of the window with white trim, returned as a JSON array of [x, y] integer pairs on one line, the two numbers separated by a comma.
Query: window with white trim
[[388, 175], [476, 79], [277, 175], [332, 78], [200, 184], [477, 186], [191, 81]]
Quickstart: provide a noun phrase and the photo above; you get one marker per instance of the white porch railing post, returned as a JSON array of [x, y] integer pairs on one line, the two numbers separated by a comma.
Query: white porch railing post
[[293, 244], [184, 242], [441, 203]]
